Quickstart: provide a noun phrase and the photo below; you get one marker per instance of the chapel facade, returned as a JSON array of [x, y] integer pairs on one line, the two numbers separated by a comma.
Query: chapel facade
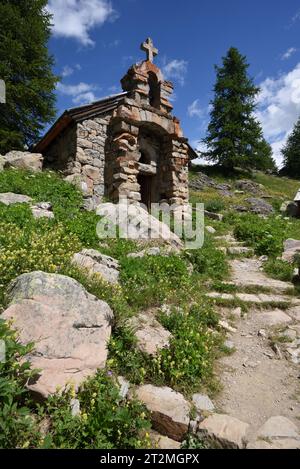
[[127, 145]]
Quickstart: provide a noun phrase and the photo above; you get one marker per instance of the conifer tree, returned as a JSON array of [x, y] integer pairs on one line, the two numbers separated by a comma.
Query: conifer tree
[[26, 68], [234, 137], [291, 153]]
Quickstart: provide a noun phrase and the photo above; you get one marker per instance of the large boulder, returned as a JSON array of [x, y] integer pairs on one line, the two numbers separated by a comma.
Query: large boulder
[[170, 412], [134, 223], [69, 327], [97, 263], [291, 248], [24, 160]]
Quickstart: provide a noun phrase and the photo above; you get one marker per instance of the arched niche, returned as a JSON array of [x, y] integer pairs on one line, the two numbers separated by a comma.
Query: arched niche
[[154, 90]]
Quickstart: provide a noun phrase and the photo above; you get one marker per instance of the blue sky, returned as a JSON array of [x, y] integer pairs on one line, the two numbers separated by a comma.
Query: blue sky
[[95, 41]]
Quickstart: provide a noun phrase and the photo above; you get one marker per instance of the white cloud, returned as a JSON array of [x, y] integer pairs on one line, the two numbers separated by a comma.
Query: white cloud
[[82, 93], [75, 18], [291, 51], [279, 108], [194, 110], [68, 71], [175, 69], [296, 17]]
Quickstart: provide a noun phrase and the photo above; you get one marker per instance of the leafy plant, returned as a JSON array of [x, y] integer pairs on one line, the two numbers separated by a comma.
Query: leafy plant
[[17, 427]]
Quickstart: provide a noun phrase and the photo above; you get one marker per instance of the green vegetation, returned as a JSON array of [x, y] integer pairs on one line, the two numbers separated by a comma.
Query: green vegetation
[[25, 66], [106, 421], [291, 153], [234, 136]]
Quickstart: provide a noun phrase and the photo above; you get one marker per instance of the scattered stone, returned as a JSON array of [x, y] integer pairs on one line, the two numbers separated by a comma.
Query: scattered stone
[[203, 403], [285, 443], [224, 431], [151, 335], [42, 210], [246, 185], [278, 427], [210, 229], [290, 334], [213, 216], [295, 313], [69, 327], [163, 442], [229, 345], [227, 327], [291, 248], [169, 410], [9, 198], [260, 206], [277, 351], [274, 318], [24, 160], [294, 354], [269, 355], [155, 251], [262, 333], [239, 250], [97, 263]]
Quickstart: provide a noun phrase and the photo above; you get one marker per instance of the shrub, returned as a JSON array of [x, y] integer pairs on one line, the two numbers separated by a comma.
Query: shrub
[[215, 205], [209, 261], [149, 280], [17, 427], [35, 247], [188, 362], [106, 421], [266, 236], [279, 269]]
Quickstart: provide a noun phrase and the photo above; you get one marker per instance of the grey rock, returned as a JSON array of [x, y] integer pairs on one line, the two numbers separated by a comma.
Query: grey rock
[[24, 160], [151, 335], [169, 410], [291, 249], [75, 407], [9, 198], [69, 327], [224, 431], [260, 206], [203, 403], [97, 263]]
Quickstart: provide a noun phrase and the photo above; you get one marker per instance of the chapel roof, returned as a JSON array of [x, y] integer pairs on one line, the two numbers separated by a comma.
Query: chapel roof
[[78, 114]]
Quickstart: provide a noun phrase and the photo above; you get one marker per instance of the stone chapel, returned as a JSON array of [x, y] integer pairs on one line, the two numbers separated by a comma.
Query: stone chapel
[[128, 144]]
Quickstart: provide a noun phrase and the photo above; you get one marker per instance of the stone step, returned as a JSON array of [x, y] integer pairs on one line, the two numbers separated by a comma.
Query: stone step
[[260, 298]]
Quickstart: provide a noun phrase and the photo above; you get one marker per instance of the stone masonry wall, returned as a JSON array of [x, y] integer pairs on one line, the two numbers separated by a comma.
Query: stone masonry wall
[[90, 153]]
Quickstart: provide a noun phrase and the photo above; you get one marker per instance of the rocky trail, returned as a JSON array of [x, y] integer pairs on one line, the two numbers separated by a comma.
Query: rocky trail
[[261, 377]]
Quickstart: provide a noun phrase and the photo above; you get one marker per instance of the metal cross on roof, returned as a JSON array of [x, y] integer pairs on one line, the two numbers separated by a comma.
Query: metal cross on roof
[[149, 48]]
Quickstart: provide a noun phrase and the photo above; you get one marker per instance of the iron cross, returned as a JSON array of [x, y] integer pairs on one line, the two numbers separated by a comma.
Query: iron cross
[[149, 48]]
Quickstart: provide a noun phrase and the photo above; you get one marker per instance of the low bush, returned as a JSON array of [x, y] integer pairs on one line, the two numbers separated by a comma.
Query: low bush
[[279, 269], [106, 420], [149, 280], [208, 261], [16, 424]]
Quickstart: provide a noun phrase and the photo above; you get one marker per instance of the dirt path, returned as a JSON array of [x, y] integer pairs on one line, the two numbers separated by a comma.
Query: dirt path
[[257, 382]]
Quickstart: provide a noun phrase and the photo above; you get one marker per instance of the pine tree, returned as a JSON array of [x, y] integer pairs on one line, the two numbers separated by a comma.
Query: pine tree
[[26, 68], [234, 137], [291, 153]]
